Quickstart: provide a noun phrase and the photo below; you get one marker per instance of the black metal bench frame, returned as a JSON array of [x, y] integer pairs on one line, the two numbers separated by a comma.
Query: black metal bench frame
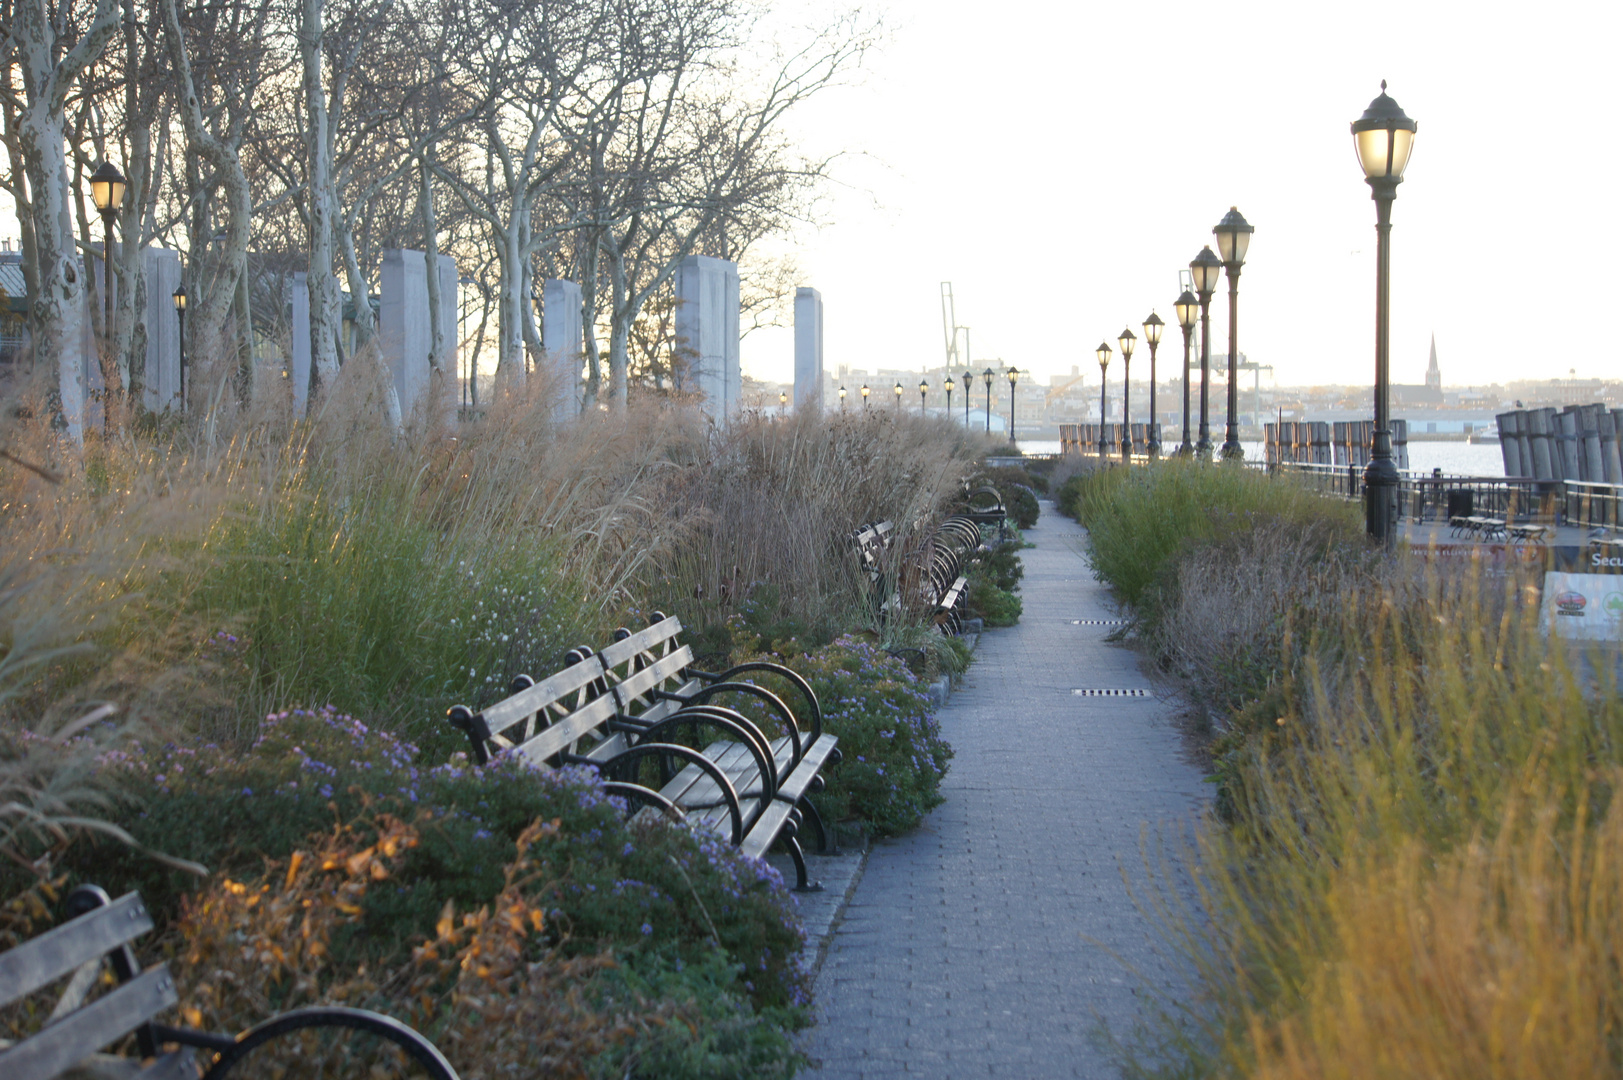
[[101, 930], [628, 704]]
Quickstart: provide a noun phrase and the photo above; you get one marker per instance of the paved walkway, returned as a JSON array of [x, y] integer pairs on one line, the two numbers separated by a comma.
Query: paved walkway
[[994, 939]]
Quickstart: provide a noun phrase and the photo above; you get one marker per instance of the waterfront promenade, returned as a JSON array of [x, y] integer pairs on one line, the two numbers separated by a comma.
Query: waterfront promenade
[[997, 938]]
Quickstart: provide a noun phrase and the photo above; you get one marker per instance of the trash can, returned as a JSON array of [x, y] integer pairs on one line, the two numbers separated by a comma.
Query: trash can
[[1459, 501]]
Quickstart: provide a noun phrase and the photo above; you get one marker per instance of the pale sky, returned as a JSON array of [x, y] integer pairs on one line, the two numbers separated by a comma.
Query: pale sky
[[1059, 163]]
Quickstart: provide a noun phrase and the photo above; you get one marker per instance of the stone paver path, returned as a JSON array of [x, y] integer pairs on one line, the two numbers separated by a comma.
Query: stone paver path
[[994, 939]]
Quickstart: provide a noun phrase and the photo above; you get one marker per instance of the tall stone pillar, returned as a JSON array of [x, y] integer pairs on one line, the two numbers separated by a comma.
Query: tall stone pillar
[[300, 294], [808, 349], [707, 331], [404, 327], [563, 340], [160, 383]]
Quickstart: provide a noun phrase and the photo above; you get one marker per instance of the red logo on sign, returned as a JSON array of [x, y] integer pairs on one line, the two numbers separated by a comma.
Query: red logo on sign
[[1571, 603]]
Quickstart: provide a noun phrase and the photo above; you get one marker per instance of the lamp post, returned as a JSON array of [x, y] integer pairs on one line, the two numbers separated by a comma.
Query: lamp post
[[989, 375], [864, 397], [1103, 352], [783, 402], [923, 389], [1014, 377], [1126, 340], [468, 386], [1186, 306], [1204, 268], [107, 192], [1384, 138], [1152, 334], [898, 395], [949, 385], [842, 399], [1233, 237], [179, 297]]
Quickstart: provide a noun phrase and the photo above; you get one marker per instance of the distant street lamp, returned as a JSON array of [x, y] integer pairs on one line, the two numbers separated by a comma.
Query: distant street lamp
[[1014, 377], [1186, 306], [1152, 334], [898, 395], [179, 296], [842, 399], [1103, 352], [783, 402], [1384, 138], [969, 388], [989, 375], [949, 385], [107, 192], [1127, 340], [864, 397], [1205, 268], [1233, 237], [923, 389], [469, 386]]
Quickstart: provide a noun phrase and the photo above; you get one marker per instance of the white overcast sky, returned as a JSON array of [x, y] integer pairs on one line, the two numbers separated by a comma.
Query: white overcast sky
[[1059, 163]]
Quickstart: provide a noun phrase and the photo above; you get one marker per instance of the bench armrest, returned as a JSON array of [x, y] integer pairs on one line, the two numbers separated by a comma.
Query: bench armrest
[[773, 702], [728, 720], [814, 712], [729, 794]]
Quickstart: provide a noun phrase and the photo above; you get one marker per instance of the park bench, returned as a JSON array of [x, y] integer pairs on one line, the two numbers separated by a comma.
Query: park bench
[[1479, 527], [99, 932], [985, 507], [623, 710], [935, 581]]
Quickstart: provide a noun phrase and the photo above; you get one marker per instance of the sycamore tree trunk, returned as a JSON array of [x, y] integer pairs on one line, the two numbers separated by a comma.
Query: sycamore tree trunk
[[440, 349], [509, 317], [59, 314], [326, 308], [229, 295]]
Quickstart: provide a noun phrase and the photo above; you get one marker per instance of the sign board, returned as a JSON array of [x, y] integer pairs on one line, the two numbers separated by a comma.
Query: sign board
[[1583, 607]]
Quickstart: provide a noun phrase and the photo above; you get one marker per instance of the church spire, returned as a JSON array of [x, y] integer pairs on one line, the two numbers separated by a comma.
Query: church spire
[[1434, 377]]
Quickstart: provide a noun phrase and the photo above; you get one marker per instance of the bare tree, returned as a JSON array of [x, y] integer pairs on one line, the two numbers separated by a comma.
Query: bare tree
[[41, 42]]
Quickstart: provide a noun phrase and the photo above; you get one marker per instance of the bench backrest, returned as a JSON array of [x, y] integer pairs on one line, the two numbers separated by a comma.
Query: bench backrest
[[541, 719], [639, 666], [76, 1031]]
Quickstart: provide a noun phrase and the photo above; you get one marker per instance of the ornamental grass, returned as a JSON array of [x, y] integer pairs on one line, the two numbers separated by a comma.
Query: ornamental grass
[[1413, 866]]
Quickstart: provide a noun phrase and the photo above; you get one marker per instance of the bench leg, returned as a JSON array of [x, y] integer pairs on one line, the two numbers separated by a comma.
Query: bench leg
[[825, 840], [803, 883]]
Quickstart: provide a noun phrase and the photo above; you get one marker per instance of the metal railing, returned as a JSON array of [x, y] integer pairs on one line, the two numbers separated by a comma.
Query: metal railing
[[1593, 506]]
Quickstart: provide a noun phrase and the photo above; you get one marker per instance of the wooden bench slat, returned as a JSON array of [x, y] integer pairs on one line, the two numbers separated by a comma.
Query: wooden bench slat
[[759, 839], [566, 732], [526, 703], [81, 1033], [41, 961]]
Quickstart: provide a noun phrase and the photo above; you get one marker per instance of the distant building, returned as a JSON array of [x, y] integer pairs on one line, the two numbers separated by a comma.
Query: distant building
[[1428, 393]]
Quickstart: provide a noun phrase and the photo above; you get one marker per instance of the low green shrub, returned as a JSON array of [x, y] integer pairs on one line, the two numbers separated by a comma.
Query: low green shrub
[[637, 886], [894, 755], [1002, 565], [1139, 519], [989, 603]]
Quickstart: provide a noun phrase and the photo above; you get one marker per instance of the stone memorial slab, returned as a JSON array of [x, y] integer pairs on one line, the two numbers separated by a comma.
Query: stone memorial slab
[[707, 331], [808, 348], [563, 341]]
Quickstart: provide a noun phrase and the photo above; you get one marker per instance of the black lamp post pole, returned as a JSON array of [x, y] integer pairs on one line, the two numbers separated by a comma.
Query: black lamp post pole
[[988, 376], [922, 388], [1384, 137], [1103, 352], [1012, 380], [182, 313], [1204, 269], [1186, 448], [969, 389], [1233, 239], [1153, 434], [949, 401]]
